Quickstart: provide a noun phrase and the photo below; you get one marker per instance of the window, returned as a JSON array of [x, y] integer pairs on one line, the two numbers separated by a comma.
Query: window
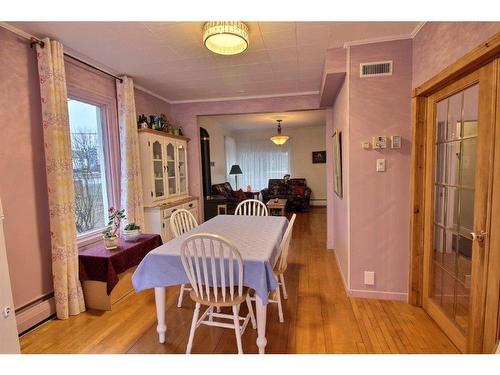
[[261, 160], [88, 142]]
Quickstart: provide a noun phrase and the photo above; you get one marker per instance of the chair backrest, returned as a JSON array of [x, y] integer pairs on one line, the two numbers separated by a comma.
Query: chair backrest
[[182, 221], [285, 245], [251, 207], [209, 262]]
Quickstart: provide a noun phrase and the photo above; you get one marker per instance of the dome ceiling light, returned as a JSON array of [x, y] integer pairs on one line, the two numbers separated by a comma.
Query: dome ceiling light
[[279, 139], [225, 37]]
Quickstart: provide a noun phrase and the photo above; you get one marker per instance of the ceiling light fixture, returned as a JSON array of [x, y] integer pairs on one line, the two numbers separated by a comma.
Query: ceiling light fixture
[[225, 37], [279, 139]]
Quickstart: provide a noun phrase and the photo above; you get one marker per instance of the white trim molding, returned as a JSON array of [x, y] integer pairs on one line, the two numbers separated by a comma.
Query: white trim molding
[[386, 38], [143, 89], [231, 98]]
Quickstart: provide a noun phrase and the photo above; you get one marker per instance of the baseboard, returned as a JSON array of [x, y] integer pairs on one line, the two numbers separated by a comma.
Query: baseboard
[[342, 276], [317, 202], [33, 315], [378, 294]]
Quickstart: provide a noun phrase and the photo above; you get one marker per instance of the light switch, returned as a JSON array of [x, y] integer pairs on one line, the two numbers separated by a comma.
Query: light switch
[[380, 165]]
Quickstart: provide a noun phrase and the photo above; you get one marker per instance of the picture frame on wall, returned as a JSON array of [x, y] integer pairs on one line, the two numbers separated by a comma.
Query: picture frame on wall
[[337, 162], [318, 157]]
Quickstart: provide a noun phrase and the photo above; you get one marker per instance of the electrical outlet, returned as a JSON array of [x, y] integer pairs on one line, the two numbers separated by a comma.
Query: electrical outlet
[[369, 278]]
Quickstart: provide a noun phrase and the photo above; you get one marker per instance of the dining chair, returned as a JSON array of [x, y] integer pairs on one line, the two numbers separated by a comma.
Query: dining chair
[[212, 265], [280, 267], [182, 221], [251, 207]]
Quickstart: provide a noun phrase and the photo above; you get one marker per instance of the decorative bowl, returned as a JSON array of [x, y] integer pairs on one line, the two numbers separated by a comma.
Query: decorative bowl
[[131, 235]]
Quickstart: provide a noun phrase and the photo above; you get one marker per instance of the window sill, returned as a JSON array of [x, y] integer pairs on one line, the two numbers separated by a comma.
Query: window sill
[[88, 239]]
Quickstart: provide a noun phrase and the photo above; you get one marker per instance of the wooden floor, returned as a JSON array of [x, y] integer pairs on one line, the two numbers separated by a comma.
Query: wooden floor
[[319, 317]]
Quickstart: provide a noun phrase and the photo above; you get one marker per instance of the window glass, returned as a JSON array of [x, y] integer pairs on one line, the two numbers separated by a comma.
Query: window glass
[[89, 166]]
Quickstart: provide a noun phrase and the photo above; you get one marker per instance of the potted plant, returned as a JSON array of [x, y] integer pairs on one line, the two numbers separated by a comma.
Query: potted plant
[[110, 233], [131, 232]]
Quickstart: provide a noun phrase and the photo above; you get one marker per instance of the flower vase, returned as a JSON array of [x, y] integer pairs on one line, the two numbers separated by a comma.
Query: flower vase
[[111, 242]]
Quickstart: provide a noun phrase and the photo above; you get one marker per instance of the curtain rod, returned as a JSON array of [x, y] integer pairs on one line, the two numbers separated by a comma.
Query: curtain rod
[[41, 43]]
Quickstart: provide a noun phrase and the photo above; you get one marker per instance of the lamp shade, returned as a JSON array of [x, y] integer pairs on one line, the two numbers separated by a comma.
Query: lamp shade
[[235, 169]]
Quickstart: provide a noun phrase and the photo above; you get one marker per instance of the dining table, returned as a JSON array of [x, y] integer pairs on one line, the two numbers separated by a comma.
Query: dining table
[[257, 238]]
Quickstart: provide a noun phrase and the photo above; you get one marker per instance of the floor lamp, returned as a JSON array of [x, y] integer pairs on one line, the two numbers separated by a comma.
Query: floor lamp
[[236, 170]]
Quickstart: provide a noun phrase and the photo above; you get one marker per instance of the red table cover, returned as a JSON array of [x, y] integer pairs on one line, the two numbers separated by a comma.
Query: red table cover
[[100, 264]]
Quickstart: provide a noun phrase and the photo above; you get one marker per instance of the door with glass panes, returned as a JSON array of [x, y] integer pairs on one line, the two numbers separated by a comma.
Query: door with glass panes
[[457, 189]]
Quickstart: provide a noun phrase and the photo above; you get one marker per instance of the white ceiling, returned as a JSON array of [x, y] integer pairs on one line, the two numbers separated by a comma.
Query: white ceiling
[[169, 58], [256, 121]]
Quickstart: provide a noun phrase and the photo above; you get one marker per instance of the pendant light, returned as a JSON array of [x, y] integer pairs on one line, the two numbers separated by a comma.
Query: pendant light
[[279, 139], [225, 38]]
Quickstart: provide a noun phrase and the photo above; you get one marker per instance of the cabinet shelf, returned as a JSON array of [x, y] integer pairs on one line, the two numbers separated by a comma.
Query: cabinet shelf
[[157, 159]]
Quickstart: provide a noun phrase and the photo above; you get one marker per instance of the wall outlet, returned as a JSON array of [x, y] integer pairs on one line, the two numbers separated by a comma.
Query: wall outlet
[[369, 278]]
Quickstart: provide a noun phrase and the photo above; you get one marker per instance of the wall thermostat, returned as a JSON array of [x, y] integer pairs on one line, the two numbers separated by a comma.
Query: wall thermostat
[[396, 141], [379, 142]]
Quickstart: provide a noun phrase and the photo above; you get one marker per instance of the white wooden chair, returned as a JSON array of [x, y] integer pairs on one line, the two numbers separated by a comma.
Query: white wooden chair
[[251, 207], [182, 221], [280, 268], [213, 283]]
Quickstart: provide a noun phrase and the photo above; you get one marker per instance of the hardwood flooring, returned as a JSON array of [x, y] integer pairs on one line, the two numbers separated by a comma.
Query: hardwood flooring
[[319, 317]]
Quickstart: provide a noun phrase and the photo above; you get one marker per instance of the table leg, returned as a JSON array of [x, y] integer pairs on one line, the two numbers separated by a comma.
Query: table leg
[[161, 328], [261, 324]]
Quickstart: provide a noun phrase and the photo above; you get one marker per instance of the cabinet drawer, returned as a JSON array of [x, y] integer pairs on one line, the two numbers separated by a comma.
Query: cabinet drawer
[[190, 205], [169, 211]]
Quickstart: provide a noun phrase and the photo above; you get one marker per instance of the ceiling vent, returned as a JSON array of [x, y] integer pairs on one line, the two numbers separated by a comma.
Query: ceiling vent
[[381, 68]]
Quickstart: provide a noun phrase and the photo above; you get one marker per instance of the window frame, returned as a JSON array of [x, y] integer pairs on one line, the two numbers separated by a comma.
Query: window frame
[[110, 131]]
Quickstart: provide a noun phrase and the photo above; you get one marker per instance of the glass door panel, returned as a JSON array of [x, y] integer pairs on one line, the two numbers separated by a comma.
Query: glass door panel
[[454, 179], [181, 150], [158, 178], [171, 170]]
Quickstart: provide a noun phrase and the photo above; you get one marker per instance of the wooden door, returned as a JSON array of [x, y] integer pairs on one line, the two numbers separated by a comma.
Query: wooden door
[[460, 126]]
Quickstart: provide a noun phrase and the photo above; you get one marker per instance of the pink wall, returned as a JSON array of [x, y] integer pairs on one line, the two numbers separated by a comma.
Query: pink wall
[[439, 44], [379, 201], [150, 105], [22, 172], [186, 116]]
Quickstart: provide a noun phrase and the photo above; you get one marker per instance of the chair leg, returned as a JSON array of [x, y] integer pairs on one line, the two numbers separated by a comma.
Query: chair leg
[[280, 308], [237, 329], [282, 279], [250, 311], [181, 296], [196, 313]]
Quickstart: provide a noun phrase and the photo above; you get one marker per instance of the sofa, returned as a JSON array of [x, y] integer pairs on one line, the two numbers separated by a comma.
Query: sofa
[[232, 197], [294, 190]]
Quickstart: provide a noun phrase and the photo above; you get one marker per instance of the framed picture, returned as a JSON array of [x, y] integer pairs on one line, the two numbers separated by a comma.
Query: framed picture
[[318, 157], [337, 163]]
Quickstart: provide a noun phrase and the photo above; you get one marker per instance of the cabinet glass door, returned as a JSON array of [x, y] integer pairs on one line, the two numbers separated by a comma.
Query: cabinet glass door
[[171, 169], [182, 160], [158, 168]]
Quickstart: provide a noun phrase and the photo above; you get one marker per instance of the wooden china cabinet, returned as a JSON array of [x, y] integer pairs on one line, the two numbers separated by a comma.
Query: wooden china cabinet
[[165, 181]]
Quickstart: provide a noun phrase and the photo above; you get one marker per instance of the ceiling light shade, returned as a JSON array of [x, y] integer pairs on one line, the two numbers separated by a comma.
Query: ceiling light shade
[[279, 139], [225, 37]]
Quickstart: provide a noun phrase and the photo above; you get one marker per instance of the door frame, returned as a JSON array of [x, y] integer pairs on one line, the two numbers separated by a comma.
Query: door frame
[[484, 331]]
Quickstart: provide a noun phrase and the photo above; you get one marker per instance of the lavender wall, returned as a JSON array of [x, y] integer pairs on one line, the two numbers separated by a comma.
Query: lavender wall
[[150, 105], [379, 201], [338, 237], [439, 44], [186, 115], [22, 170]]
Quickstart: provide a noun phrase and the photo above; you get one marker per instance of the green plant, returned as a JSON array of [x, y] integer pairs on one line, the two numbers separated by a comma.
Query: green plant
[[132, 226], [115, 217]]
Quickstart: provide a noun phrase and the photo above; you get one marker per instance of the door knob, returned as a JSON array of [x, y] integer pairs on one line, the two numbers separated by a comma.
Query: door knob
[[478, 236]]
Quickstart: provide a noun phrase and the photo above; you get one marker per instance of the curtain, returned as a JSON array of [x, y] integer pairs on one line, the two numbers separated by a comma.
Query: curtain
[[261, 160], [130, 180], [230, 147], [59, 167]]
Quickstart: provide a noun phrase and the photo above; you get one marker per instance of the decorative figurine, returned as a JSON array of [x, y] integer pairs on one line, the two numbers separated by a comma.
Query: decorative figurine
[[180, 131], [142, 123], [151, 121]]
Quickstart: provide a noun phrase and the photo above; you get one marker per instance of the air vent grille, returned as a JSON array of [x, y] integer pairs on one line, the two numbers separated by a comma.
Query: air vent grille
[[381, 68]]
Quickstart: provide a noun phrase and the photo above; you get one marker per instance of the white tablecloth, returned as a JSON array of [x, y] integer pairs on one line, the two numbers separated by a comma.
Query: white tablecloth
[[257, 238]]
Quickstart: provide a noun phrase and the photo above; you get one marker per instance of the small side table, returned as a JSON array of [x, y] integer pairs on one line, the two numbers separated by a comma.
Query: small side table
[[277, 205]]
